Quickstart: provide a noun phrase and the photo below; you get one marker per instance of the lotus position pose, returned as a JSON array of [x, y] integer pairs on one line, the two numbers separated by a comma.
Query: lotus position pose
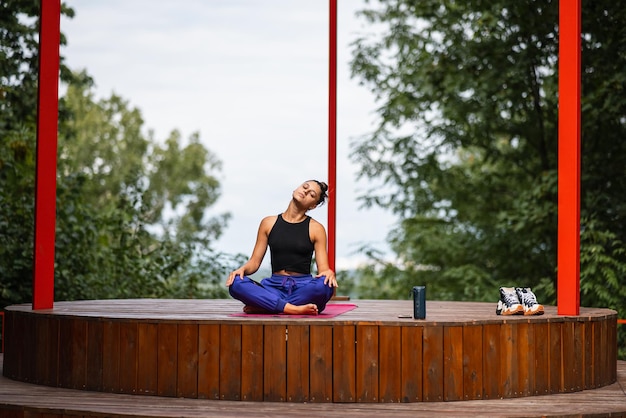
[[292, 237]]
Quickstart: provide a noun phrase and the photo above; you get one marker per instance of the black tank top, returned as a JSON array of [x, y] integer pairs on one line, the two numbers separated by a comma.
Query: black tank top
[[290, 245]]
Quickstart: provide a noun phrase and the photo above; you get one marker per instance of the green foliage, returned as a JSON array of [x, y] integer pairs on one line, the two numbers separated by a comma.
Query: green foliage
[[19, 62], [466, 147], [132, 212], [135, 208], [16, 215]]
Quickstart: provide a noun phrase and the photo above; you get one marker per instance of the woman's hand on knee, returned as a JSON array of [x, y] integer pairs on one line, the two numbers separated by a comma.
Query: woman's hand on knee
[[329, 278], [231, 277]]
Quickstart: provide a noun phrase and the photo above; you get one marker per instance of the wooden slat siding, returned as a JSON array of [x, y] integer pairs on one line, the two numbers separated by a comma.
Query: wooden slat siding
[[367, 364], [252, 350], [525, 359], [542, 358], [472, 362], [579, 355], [167, 357], [52, 356], [41, 356], [24, 361], [321, 366], [453, 363], [569, 356], [209, 361], [604, 355], [411, 368], [597, 349], [147, 360], [128, 357], [506, 360], [568, 345], [14, 346], [298, 357], [230, 362], [432, 390], [588, 360], [30, 349], [111, 358], [344, 363], [612, 336], [79, 353], [274, 363], [10, 343], [66, 353], [556, 362], [187, 374], [492, 347], [93, 373], [390, 364]]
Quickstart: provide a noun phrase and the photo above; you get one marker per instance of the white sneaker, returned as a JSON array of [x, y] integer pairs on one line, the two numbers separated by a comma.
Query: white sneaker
[[509, 303], [529, 301]]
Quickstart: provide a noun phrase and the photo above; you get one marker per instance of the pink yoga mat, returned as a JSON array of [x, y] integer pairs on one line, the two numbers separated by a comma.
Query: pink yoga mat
[[331, 310]]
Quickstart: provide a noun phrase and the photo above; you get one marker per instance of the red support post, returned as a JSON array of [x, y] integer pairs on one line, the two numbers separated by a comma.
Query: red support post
[[568, 275], [47, 125], [332, 133]]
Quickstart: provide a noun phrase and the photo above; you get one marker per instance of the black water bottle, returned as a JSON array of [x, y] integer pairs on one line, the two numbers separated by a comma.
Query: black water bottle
[[419, 302]]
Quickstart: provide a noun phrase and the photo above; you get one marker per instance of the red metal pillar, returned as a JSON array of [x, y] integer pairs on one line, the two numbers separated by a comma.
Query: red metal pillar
[[332, 133], [568, 275], [45, 183]]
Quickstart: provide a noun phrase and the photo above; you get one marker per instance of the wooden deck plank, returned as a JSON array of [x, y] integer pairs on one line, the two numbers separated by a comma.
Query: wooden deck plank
[[411, 357], [19, 399], [93, 375], [453, 363], [390, 364], [367, 365], [110, 362], [542, 358], [298, 355], [147, 361], [525, 355], [230, 366], [167, 356], [556, 366], [209, 361], [344, 363], [128, 357], [252, 349], [433, 364], [492, 387], [472, 362], [187, 374], [275, 363], [321, 366], [509, 372]]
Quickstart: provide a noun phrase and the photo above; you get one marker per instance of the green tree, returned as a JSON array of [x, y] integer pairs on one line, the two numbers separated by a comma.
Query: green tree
[[136, 208], [132, 212], [19, 62], [19, 55], [466, 146]]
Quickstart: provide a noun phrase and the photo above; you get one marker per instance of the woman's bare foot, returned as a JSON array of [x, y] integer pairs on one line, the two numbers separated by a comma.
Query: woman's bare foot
[[308, 309], [253, 310]]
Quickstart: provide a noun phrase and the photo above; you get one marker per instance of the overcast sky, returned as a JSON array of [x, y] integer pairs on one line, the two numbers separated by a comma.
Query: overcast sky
[[251, 76]]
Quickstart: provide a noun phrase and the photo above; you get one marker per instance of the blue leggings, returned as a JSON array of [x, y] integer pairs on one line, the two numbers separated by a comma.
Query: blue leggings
[[273, 293]]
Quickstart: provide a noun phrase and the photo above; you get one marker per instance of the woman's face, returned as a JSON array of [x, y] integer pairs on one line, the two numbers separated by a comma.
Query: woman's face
[[308, 193]]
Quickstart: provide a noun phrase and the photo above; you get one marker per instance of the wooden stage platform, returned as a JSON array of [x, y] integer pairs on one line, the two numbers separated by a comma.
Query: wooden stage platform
[[195, 349]]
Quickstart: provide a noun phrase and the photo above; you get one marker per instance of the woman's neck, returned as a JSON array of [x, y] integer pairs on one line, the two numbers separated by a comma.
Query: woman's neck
[[294, 214]]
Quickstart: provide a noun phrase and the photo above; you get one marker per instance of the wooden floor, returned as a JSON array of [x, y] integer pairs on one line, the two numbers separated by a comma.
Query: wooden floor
[[20, 400]]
